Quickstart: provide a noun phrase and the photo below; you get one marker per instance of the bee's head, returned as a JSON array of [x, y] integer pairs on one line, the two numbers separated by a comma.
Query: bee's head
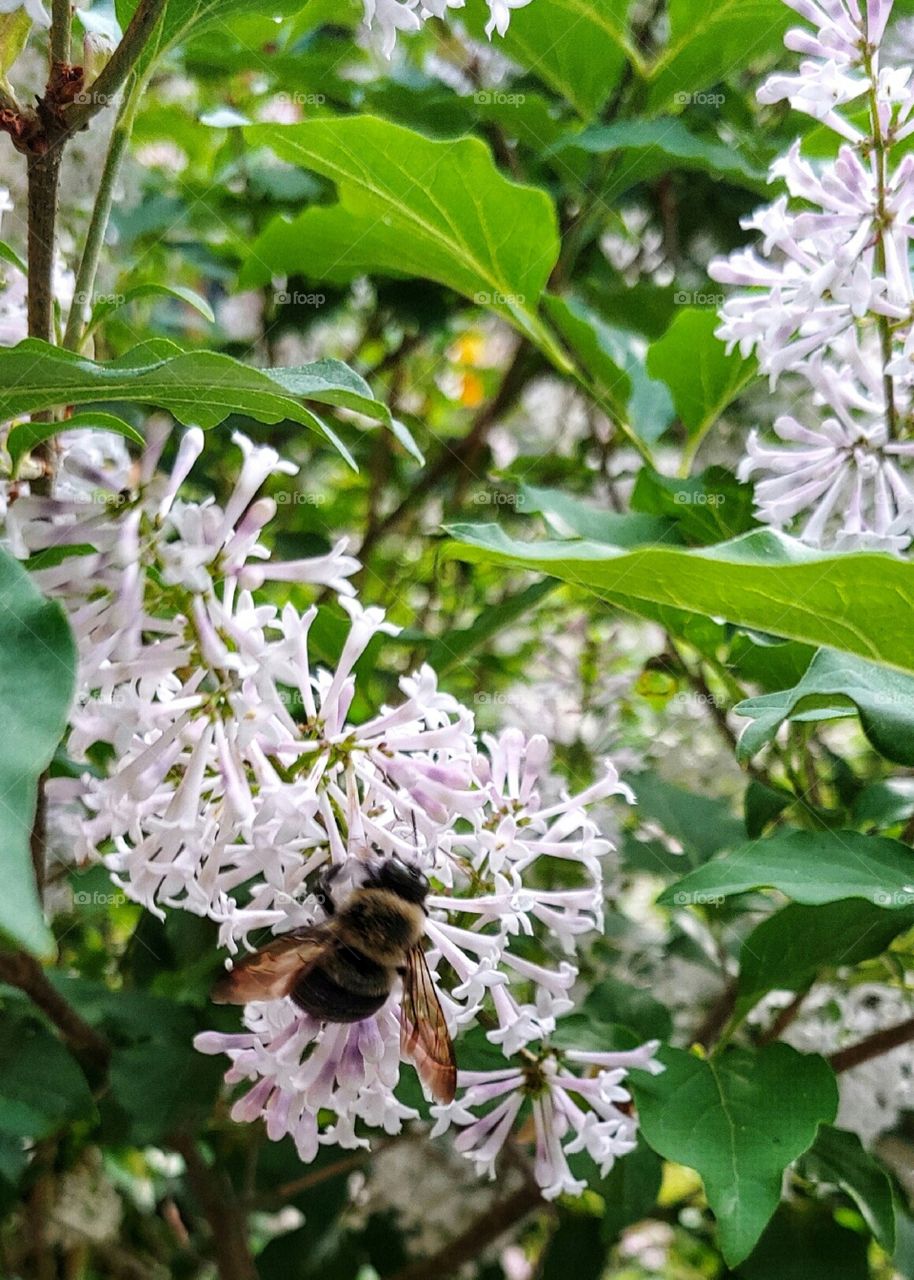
[[406, 881]]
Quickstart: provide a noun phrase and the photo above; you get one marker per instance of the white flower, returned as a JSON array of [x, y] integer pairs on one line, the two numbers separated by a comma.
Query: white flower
[[571, 1113], [238, 774], [828, 296]]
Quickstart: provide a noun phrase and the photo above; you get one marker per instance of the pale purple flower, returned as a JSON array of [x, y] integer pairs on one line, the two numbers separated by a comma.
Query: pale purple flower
[[828, 295]]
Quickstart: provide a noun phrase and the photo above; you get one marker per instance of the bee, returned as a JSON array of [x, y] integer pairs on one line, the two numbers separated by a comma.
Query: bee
[[344, 969]]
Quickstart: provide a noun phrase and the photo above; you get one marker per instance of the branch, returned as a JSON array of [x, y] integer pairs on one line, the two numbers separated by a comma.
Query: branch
[[23, 971], [461, 455], [485, 1231], [217, 1199], [873, 1046]]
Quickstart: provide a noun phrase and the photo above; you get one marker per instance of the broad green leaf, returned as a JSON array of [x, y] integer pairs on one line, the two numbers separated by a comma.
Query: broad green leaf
[[646, 148], [857, 602], [577, 47], [702, 824], [27, 435], [789, 949], [805, 1242], [409, 205], [707, 508], [15, 26], [762, 805], [571, 517], [695, 366], [834, 687], [809, 867], [37, 679], [41, 1086], [160, 1087], [707, 41], [839, 1158], [738, 1119], [199, 387]]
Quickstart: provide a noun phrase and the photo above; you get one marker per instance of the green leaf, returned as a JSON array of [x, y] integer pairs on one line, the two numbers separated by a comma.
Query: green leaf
[[695, 366], [839, 1158], [104, 309], [789, 949], [718, 1116], [37, 679], [707, 41], [587, 337], [160, 1087], [707, 508], [703, 825], [410, 205], [834, 687], [856, 602], [26, 435], [14, 32], [804, 1242], [577, 47], [576, 1248], [570, 517], [647, 148], [810, 867], [183, 18], [9, 255], [629, 1191], [41, 1087], [454, 648], [198, 387]]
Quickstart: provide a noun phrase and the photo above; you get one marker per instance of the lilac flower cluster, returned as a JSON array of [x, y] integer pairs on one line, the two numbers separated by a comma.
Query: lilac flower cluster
[[830, 298], [391, 16], [238, 776]]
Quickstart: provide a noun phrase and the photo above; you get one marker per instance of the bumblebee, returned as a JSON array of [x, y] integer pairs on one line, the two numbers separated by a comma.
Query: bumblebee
[[344, 969]]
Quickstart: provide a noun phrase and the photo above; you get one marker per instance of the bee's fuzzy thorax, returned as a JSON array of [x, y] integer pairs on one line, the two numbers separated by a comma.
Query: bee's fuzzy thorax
[[381, 924]]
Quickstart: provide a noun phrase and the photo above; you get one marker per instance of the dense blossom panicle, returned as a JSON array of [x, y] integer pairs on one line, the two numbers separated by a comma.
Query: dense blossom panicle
[[827, 294], [237, 774]]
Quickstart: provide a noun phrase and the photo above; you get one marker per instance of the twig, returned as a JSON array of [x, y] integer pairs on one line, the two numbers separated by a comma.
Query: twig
[[227, 1222], [717, 1017], [783, 1020], [873, 1046], [459, 456], [101, 212], [104, 90], [484, 1232], [24, 972]]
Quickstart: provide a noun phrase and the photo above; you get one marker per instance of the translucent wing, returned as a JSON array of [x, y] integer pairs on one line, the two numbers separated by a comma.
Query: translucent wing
[[271, 972], [424, 1038]]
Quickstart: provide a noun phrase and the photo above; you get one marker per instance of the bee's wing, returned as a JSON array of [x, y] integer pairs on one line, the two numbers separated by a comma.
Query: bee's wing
[[271, 972], [424, 1038]]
